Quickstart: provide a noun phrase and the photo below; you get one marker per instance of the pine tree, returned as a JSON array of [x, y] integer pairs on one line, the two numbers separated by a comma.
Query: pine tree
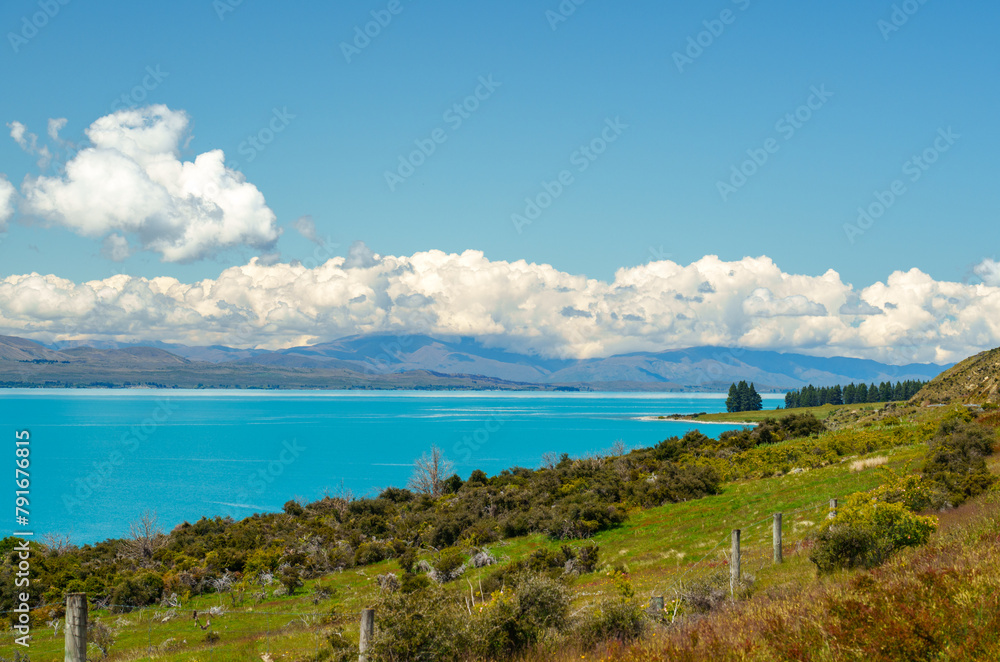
[[754, 401], [836, 396], [742, 396], [731, 403]]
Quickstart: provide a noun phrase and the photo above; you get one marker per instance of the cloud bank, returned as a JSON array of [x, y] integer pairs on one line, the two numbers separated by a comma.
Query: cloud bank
[[524, 307], [130, 185]]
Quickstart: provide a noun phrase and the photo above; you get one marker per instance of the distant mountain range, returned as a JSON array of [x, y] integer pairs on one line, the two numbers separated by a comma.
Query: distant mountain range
[[417, 361]]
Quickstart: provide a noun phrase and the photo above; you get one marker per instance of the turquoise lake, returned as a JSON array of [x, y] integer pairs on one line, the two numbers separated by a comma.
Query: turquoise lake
[[101, 458]]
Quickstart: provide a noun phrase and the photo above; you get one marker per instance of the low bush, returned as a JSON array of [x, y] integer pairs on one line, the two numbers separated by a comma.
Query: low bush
[[371, 552], [956, 459], [620, 617], [706, 594], [449, 564], [428, 624], [849, 546], [871, 526], [291, 578], [137, 591], [517, 616]]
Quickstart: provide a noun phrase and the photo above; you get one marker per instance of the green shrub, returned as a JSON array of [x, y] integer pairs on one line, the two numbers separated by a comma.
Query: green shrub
[[448, 565], [137, 591], [587, 558], [871, 525], [620, 617], [956, 461], [411, 582], [801, 425], [343, 649], [265, 559], [291, 578], [423, 625], [408, 559], [396, 495], [582, 516], [482, 532], [849, 546], [517, 616], [293, 508], [371, 552]]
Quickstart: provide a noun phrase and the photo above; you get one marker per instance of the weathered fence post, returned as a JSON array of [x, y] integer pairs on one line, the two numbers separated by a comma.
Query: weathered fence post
[[833, 509], [656, 605], [734, 567], [76, 627], [777, 538], [367, 632]]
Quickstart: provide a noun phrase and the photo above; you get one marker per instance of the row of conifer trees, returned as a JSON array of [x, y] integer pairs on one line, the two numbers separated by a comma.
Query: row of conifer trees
[[812, 396]]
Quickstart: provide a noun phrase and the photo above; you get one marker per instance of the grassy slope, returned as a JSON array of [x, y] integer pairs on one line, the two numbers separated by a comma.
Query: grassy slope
[[658, 546], [821, 413], [976, 379], [937, 602]]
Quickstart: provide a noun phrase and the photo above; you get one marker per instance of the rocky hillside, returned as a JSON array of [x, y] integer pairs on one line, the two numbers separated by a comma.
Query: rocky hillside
[[974, 380]]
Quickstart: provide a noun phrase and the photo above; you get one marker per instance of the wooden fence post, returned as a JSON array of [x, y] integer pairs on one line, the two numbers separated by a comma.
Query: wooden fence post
[[734, 563], [777, 538], [367, 633], [76, 627], [833, 509]]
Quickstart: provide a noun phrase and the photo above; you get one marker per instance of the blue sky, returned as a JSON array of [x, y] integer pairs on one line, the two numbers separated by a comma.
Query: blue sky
[[653, 194]]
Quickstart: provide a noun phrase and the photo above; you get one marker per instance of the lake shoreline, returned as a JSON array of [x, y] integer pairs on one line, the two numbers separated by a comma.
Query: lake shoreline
[[691, 419]]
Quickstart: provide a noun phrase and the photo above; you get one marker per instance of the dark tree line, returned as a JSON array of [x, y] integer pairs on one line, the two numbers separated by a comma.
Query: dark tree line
[[812, 396], [743, 398]]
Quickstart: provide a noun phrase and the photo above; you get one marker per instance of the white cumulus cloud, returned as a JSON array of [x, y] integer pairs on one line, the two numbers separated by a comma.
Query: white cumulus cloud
[[55, 126], [131, 182], [7, 196], [989, 271], [520, 306], [29, 143]]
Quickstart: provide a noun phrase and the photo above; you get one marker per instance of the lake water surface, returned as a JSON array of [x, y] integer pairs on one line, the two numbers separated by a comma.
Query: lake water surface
[[101, 458]]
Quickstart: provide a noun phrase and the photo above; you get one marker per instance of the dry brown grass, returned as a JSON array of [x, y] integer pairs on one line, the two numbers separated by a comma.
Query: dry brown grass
[[868, 463]]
